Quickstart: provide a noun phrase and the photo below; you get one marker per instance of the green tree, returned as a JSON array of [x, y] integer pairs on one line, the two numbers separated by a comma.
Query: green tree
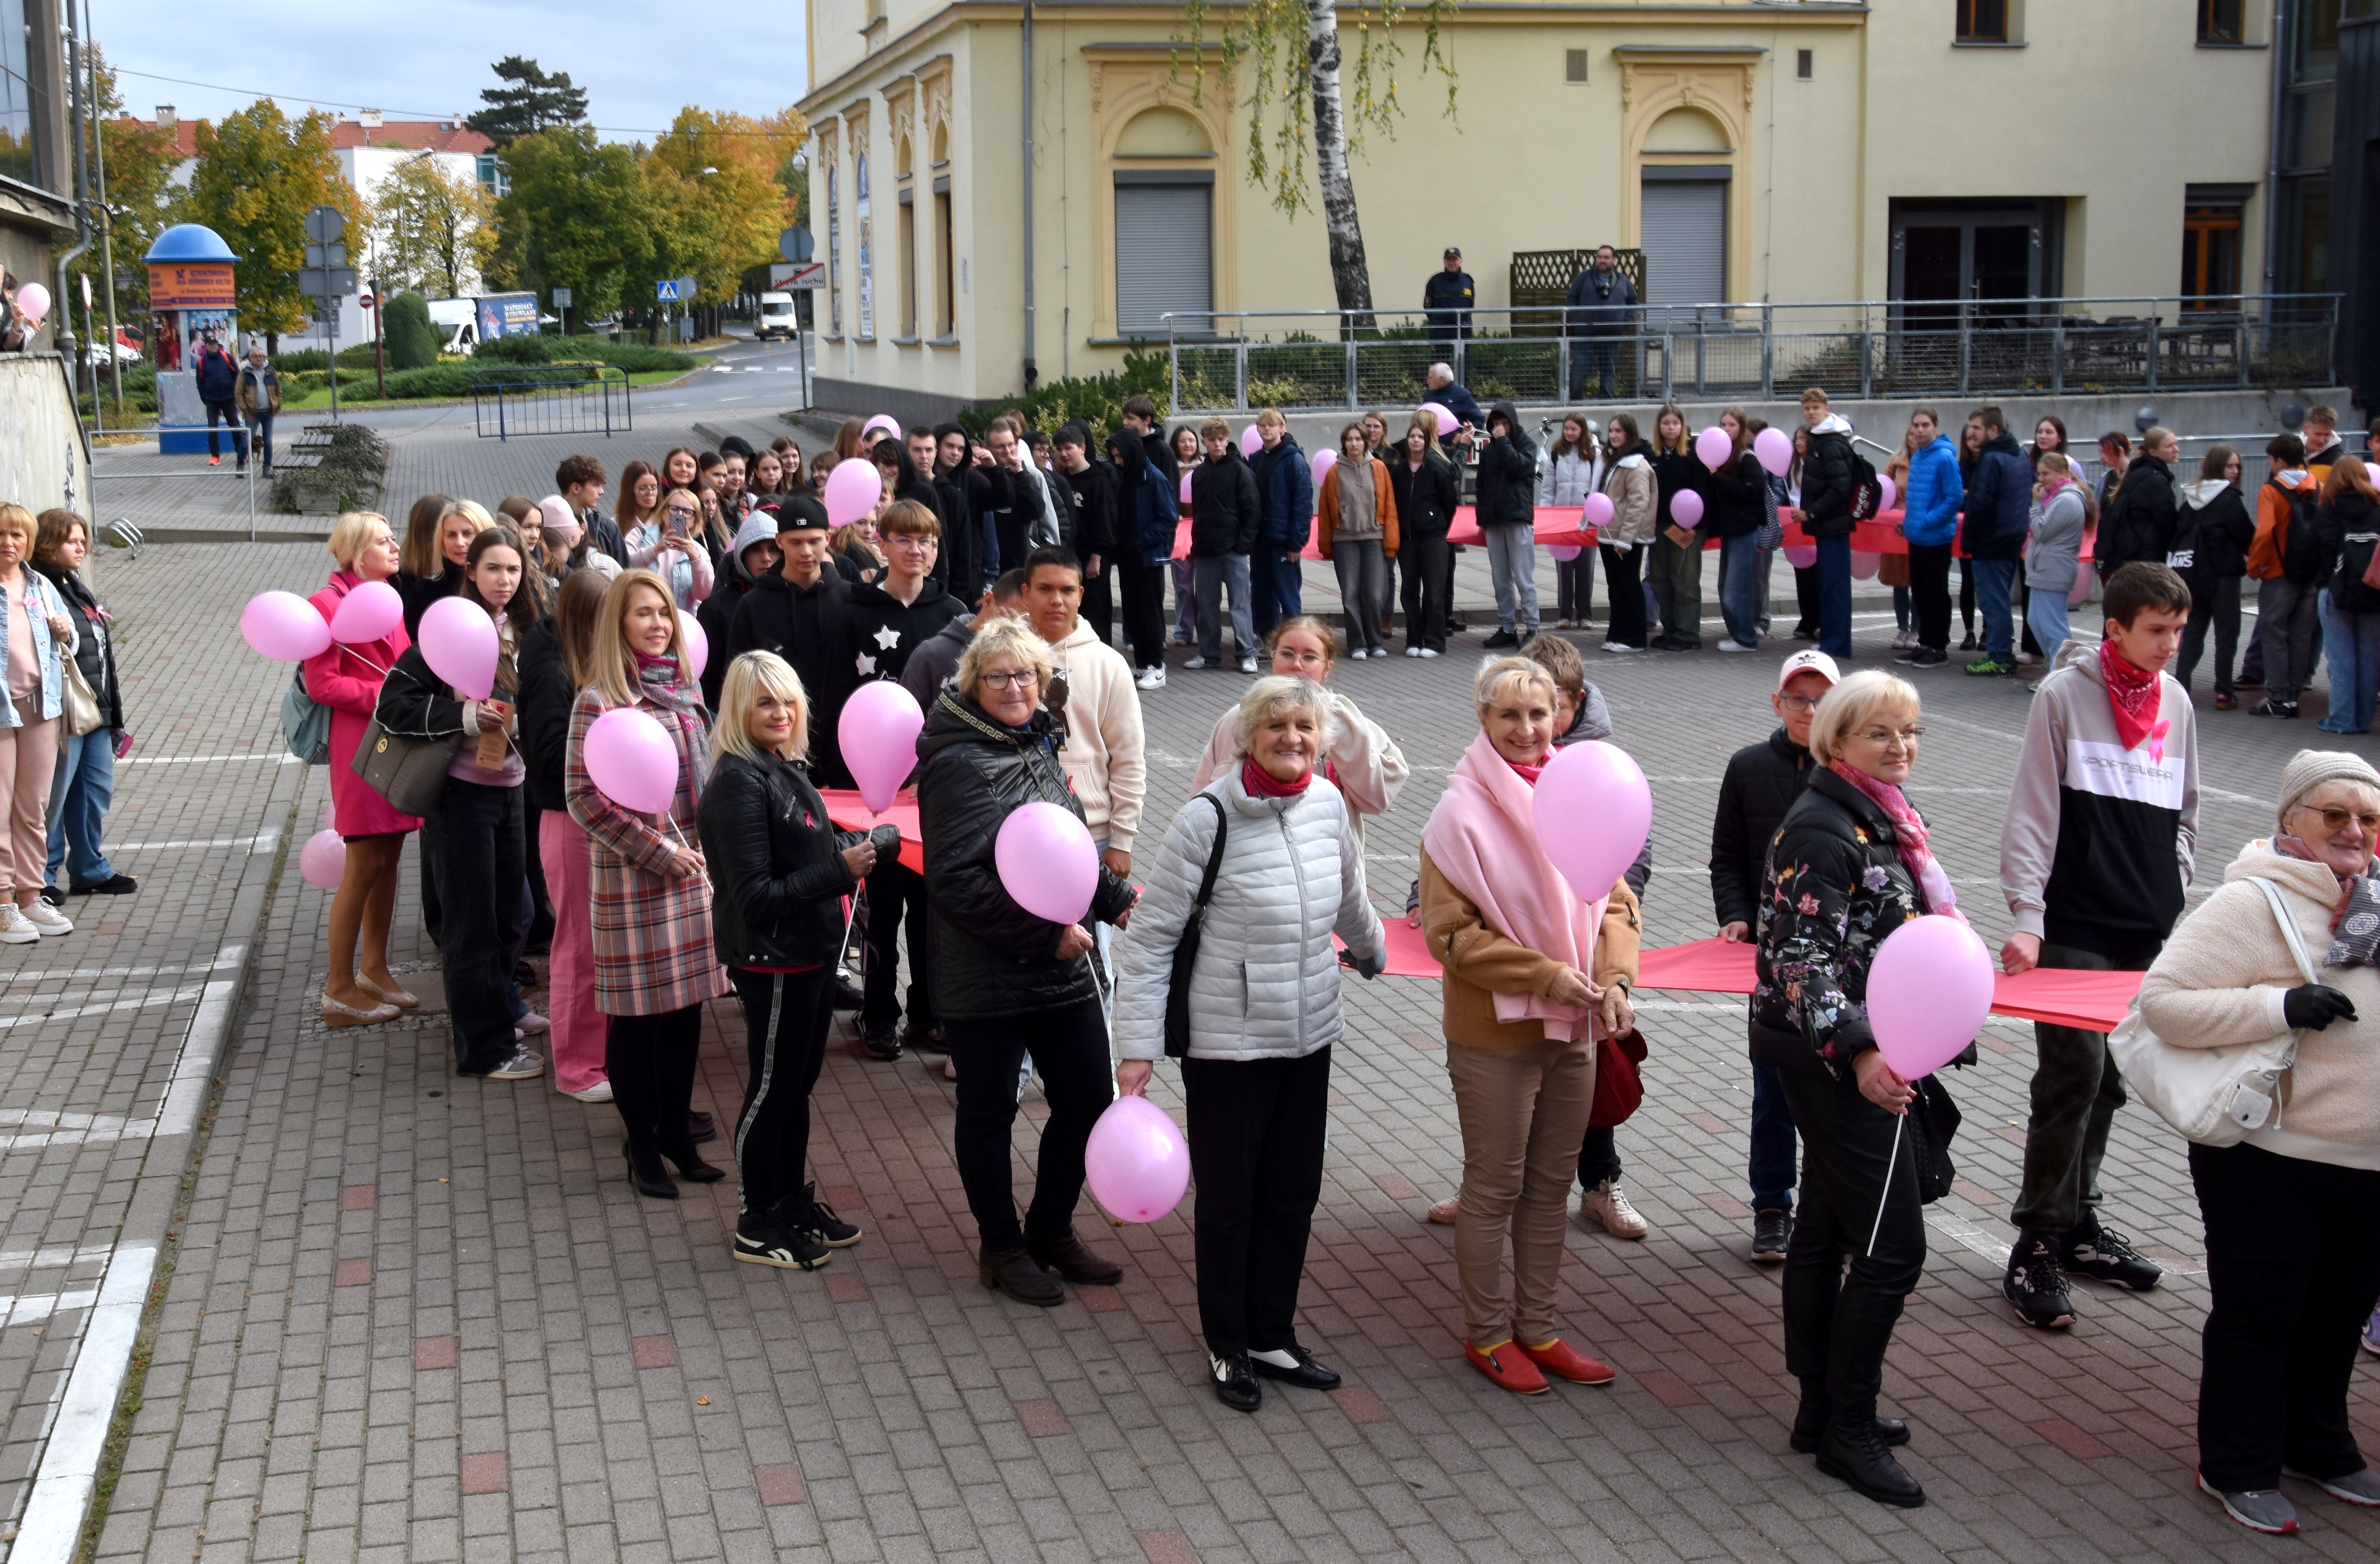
[[259, 173], [579, 216], [138, 162], [533, 101], [412, 340], [716, 178], [431, 230]]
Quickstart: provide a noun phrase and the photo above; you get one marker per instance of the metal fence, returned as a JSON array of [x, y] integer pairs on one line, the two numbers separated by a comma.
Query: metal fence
[[1325, 358], [527, 399]]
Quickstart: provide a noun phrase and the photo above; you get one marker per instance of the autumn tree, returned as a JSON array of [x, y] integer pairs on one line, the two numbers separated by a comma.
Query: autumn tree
[[138, 162], [530, 101], [581, 215], [259, 173], [721, 179], [431, 229]]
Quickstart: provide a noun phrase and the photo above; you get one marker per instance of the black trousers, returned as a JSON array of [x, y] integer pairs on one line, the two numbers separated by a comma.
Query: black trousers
[[541, 920], [2216, 603], [1598, 1156], [1256, 1129], [1429, 578], [2293, 1265], [1805, 598], [1929, 592], [1620, 580], [1099, 602], [1143, 586], [649, 1059], [893, 888], [787, 1017], [475, 834], [1966, 598], [1838, 1319], [1070, 1049], [2076, 1090], [229, 412]]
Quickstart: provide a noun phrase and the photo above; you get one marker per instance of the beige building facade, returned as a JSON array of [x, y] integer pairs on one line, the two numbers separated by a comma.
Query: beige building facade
[[1756, 150]]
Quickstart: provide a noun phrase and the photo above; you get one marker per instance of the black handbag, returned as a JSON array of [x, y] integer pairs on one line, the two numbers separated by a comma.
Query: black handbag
[[409, 772], [1185, 949], [1934, 1119]]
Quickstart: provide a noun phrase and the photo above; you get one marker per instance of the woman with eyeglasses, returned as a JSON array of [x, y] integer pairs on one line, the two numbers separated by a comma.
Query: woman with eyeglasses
[[1849, 865], [1358, 757], [670, 545]]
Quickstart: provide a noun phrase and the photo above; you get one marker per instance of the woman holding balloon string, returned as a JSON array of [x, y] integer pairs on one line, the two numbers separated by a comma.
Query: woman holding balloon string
[[346, 677], [1849, 865], [1358, 757], [1010, 973], [475, 836], [1264, 1014]]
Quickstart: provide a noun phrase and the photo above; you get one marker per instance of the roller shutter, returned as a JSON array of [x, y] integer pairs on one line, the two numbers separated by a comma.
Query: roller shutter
[[1684, 226], [1164, 255]]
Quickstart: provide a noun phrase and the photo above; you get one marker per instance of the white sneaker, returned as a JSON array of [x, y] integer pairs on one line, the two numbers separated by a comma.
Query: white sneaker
[[600, 1092], [1248, 665], [1728, 643], [48, 919], [15, 927], [1606, 1205], [1620, 647], [1151, 679], [526, 1064], [1412, 651], [1429, 651]]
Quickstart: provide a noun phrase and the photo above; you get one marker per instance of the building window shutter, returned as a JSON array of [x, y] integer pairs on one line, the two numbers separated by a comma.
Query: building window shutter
[[1684, 228], [1164, 243]]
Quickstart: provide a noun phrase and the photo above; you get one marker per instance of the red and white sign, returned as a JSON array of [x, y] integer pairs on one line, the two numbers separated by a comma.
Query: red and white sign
[[788, 276]]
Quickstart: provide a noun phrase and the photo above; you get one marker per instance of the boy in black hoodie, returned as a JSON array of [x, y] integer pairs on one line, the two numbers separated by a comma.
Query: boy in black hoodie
[[1091, 524], [802, 613], [1508, 513]]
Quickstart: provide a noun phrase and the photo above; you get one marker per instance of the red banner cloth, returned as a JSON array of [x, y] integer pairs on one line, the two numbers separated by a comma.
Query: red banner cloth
[[843, 803]]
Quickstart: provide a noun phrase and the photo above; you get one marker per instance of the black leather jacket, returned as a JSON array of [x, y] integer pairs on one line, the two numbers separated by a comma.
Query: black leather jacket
[[991, 957], [545, 699], [776, 864]]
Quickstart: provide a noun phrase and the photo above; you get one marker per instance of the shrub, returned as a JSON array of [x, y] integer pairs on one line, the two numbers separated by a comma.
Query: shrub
[[1098, 400], [412, 340]]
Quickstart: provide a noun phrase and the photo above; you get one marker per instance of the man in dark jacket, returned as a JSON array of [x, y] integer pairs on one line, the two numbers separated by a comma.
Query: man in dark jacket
[[1091, 527], [2139, 517], [754, 557], [1761, 783], [962, 559], [803, 613], [1452, 396], [1224, 515], [218, 381], [1145, 526], [1601, 309], [1999, 520], [1508, 514], [1285, 496], [1828, 486], [1447, 297]]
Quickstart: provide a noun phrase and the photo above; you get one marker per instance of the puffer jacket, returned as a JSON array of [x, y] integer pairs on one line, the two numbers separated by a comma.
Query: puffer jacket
[[1999, 501], [1826, 479], [1763, 780], [1636, 500], [777, 870], [1508, 473], [1285, 491], [1224, 509], [1930, 500], [1266, 985], [1570, 478], [2349, 525], [991, 957]]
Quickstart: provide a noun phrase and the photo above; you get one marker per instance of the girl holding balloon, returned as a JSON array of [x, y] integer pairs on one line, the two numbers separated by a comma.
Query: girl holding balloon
[[1736, 496], [1573, 471], [635, 771], [1635, 496], [367, 638]]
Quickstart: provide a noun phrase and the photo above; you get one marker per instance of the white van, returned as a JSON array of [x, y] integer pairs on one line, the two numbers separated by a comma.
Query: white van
[[777, 318]]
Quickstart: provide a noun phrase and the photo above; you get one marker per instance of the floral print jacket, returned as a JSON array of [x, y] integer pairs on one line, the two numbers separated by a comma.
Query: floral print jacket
[[1833, 888]]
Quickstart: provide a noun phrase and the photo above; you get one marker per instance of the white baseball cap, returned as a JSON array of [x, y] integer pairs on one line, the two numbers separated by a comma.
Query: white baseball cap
[[1810, 662]]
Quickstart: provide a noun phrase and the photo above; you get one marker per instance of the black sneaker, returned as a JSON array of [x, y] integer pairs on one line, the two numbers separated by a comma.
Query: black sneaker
[[924, 1040], [1909, 656], [2103, 1255], [847, 995], [1929, 657], [765, 1242], [54, 896], [1967, 643], [1502, 640], [2036, 1285], [1235, 1382], [882, 1045], [816, 1217], [2273, 707], [1771, 1231]]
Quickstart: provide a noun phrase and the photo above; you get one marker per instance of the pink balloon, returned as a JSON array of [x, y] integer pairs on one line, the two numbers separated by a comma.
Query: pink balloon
[[1928, 991], [323, 860], [1598, 510], [1891, 494], [1801, 556], [1865, 564], [878, 733], [1323, 462], [1713, 447], [284, 627], [1136, 1163], [1251, 441], [458, 641], [883, 421], [1686, 508], [368, 613], [1046, 861], [1447, 422], [1774, 448], [852, 490], [1593, 811], [33, 303], [1564, 551], [1185, 488], [631, 759], [697, 643]]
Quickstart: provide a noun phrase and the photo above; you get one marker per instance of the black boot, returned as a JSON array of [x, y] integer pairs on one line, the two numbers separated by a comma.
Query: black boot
[[645, 1171], [1068, 1257], [1013, 1272], [1811, 1419], [1851, 1451]]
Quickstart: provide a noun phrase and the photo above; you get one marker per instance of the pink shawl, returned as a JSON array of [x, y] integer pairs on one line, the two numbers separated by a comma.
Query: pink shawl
[[1481, 838]]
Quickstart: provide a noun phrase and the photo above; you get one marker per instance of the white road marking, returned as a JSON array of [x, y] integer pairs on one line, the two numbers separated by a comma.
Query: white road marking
[[144, 1003], [25, 1308], [262, 842], [51, 1529], [284, 759]]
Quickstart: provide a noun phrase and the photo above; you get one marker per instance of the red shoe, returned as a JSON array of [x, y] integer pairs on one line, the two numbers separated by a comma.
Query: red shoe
[[1563, 1360], [1507, 1367], [214, 461]]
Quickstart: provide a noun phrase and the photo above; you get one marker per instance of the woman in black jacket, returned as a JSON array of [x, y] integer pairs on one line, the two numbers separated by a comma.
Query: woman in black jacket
[[779, 872], [437, 537], [1007, 983], [2348, 520], [1675, 567], [2138, 523], [2211, 542], [1428, 490], [1736, 501]]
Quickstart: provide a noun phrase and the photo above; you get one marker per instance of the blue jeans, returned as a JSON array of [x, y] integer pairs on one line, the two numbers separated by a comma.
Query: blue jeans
[[1995, 586], [2352, 643], [1772, 1141], [1276, 585], [1739, 588], [1834, 569], [80, 791], [2044, 615], [1594, 364]]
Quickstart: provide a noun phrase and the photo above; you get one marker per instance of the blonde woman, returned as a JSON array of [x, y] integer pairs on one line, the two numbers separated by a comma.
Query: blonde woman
[[669, 544], [438, 533], [654, 961], [36, 637], [779, 871]]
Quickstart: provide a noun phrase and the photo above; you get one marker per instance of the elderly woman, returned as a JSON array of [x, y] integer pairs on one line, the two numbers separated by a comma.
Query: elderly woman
[[2293, 1210], [1522, 1011], [1006, 982], [1358, 757], [1847, 866], [1287, 870]]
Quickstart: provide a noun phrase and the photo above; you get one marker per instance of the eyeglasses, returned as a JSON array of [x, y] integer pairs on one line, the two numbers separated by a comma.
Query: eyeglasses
[[1799, 703], [1882, 739], [2336, 820], [681, 511], [1023, 681]]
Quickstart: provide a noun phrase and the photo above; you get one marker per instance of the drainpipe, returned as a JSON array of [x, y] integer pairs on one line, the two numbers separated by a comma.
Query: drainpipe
[[2277, 129], [1031, 373]]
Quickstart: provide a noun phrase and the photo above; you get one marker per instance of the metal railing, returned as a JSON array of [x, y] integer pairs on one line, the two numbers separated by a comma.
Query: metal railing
[[1327, 358], [527, 399]]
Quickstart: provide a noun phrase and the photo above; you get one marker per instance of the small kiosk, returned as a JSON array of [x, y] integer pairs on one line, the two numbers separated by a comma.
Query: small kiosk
[[190, 295]]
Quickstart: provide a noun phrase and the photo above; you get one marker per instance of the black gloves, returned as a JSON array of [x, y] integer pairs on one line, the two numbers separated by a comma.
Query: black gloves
[[2312, 1006], [886, 841]]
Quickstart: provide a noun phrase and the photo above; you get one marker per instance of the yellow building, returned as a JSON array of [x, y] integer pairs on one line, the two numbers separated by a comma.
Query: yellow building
[[1783, 152]]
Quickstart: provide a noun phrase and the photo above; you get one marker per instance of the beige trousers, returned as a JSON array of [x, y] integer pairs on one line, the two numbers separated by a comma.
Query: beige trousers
[[29, 757], [1524, 1111]]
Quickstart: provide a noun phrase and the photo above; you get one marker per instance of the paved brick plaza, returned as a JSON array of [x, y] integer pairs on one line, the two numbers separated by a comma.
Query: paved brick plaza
[[405, 1316]]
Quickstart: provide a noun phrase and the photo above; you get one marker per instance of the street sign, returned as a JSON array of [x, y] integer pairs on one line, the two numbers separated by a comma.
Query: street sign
[[676, 290], [791, 278], [796, 244], [324, 224], [326, 255], [562, 299], [326, 282]]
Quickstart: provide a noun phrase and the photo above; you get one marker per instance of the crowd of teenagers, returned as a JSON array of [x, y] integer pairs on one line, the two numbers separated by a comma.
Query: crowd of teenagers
[[982, 583]]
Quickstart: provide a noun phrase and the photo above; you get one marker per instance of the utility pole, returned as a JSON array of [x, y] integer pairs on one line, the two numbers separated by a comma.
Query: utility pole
[[106, 216], [380, 336]]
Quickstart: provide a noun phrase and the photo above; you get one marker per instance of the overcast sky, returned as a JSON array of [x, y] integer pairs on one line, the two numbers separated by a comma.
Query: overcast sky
[[638, 63]]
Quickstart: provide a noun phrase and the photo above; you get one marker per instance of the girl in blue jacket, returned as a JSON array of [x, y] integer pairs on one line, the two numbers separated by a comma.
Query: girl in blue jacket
[[1930, 521]]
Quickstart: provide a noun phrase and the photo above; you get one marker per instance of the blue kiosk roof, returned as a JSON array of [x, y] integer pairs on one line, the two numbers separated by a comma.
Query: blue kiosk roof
[[190, 241]]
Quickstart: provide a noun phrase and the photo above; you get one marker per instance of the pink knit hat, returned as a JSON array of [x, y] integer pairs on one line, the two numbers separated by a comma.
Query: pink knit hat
[[558, 521]]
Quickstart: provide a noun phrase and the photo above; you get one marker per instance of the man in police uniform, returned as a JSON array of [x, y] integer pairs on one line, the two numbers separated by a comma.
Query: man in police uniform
[[1448, 297]]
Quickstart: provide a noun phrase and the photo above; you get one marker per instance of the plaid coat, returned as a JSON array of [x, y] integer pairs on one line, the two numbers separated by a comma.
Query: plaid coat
[[653, 950]]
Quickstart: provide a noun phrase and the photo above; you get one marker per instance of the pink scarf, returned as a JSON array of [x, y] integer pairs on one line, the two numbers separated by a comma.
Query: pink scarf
[[1482, 838], [1909, 837]]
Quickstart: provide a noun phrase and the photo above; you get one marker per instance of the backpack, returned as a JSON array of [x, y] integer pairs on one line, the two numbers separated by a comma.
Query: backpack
[[1867, 494], [305, 723], [2301, 559]]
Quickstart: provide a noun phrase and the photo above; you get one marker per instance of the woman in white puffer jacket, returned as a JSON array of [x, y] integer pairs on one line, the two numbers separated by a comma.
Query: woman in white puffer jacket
[[1264, 1011]]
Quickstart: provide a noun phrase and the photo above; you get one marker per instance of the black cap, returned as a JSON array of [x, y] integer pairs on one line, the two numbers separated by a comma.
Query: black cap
[[1452, 253], [799, 512]]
